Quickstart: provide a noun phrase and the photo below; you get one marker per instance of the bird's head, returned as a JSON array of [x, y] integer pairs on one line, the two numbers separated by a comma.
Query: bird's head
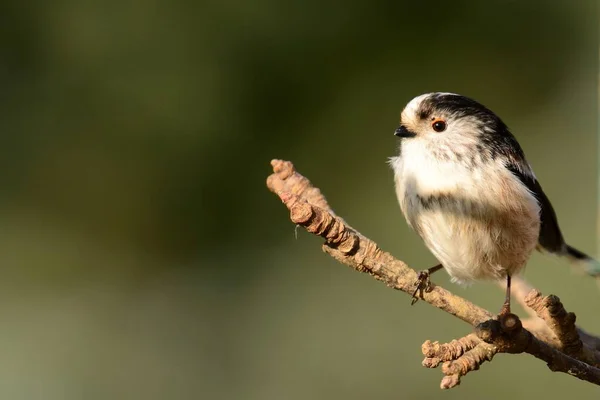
[[452, 124]]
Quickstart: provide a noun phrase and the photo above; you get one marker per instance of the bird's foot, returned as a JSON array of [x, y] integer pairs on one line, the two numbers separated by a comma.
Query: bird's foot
[[423, 284]]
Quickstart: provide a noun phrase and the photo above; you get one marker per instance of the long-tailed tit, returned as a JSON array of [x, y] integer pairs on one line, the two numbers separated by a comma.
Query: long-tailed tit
[[465, 187]]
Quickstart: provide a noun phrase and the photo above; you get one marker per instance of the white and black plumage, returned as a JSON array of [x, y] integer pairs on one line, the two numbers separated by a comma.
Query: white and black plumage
[[465, 187]]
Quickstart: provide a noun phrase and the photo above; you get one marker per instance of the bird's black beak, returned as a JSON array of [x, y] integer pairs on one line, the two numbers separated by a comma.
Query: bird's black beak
[[404, 133]]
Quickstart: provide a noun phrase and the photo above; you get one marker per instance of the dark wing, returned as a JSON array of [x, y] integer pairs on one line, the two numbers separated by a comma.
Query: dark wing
[[551, 238]]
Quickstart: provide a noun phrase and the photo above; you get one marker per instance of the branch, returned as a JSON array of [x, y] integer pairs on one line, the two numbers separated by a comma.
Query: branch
[[550, 334]]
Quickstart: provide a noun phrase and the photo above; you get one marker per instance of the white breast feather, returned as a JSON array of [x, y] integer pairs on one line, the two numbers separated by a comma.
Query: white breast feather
[[490, 228]]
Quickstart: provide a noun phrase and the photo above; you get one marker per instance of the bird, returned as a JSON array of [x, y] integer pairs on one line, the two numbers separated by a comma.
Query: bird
[[465, 187]]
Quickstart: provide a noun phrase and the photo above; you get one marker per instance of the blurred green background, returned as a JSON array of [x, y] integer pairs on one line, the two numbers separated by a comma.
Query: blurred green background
[[142, 255]]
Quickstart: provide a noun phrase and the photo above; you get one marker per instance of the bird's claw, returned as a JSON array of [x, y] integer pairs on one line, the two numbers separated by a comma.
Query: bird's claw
[[423, 284]]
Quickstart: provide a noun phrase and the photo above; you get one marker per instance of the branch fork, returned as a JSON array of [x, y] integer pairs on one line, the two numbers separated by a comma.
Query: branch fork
[[549, 333]]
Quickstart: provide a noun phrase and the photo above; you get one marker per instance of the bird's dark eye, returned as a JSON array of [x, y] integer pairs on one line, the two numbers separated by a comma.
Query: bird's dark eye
[[438, 125]]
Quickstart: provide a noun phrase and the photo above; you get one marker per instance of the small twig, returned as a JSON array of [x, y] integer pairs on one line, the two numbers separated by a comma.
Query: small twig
[[459, 357], [470, 361], [285, 178], [562, 324], [436, 352]]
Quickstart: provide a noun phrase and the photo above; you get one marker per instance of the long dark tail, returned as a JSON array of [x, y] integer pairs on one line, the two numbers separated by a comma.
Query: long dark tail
[[589, 264]]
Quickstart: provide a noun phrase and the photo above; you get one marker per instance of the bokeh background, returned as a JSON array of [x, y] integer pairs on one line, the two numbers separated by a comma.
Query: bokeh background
[[142, 256]]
